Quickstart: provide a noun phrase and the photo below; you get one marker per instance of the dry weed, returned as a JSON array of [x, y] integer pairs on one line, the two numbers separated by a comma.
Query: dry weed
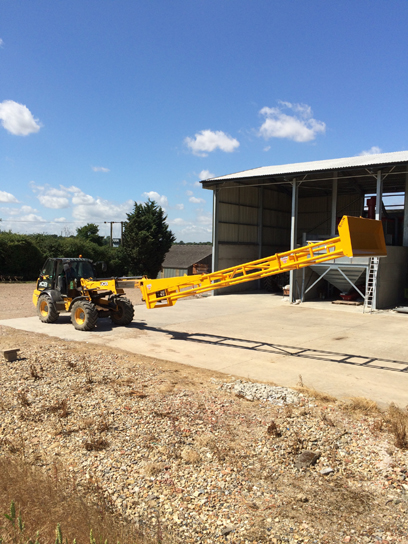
[[314, 393], [399, 426], [205, 440], [288, 411], [22, 398], [190, 456], [166, 388], [96, 443], [61, 407], [152, 469], [34, 373], [377, 426], [362, 405], [44, 500], [87, 423], [326, 419], [273, 430]]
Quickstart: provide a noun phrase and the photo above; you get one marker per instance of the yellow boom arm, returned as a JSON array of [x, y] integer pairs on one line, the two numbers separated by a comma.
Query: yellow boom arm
[[358, 237]]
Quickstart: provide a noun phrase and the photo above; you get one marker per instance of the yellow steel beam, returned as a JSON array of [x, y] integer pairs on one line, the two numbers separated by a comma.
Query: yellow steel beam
[[357, 237]]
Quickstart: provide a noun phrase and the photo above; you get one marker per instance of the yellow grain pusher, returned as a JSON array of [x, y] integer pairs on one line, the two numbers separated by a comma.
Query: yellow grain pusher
[[358, 237]]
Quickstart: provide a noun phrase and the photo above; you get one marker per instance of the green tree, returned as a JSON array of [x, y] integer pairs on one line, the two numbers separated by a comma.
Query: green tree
[[147, 239], [90, 232]]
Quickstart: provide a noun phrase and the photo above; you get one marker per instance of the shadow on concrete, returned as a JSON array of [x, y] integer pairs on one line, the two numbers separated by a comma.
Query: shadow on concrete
[[279, 349]]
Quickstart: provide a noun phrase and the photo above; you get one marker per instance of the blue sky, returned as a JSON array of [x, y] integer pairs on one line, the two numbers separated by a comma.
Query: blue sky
[[103, 103]]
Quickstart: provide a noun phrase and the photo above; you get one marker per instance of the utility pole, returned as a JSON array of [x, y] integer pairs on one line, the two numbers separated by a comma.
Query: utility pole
[[111, 230]]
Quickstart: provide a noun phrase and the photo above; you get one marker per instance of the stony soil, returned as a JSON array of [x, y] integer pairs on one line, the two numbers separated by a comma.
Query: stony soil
[[184, 448]]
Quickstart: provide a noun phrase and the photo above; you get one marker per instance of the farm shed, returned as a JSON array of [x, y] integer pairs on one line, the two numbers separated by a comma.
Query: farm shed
[[186, 259], [265, 210]]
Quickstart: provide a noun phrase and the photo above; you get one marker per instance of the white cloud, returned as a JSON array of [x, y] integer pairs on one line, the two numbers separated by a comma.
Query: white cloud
[[177, 221], [204, 218], [7, 197], [80, 198], [372, 151], [60, 219], [32, 217], [189, 193], [100, 169], [195, 200], [17, 118], [179, 206], [53, 202], [1, 42], [160, 199], [50, 197], [102, 210], [28, 209], [206, 141], [300, 126], [205, 174], [192, 232]]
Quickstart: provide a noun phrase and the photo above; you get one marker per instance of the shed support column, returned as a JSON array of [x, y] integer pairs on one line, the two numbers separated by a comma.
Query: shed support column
[[334, 207], [378, 203], [260, 221], [405, 239], [260, 227], [293, 237], [215, 233]]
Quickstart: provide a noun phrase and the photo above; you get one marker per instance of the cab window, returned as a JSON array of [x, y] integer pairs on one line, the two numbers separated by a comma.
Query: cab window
[[48, 269]]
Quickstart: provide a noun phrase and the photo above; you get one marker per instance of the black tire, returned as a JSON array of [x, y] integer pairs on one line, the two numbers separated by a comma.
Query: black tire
[[124, 315], [84, 315], [46, 309]]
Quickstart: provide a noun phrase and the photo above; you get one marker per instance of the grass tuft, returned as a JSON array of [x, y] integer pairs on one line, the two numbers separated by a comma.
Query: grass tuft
[[398, 419], [362, 405], [314, 393], [33, 504]]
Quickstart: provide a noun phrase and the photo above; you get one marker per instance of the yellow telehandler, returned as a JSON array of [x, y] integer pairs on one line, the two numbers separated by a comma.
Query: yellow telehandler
[[59, 288]]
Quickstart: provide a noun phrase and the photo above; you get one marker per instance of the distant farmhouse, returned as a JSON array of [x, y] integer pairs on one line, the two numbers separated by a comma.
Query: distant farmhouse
[[186, 259], [272, 209]]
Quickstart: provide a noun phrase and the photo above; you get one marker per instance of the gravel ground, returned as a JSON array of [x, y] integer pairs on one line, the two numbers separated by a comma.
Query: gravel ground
[[197, 452]]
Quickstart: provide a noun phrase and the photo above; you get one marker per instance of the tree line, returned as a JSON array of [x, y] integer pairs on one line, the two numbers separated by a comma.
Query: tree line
[[146, 240]]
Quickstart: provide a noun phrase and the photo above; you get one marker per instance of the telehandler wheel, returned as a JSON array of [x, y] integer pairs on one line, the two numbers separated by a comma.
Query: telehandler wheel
[[125, 312], [46, 309], [84, 315]]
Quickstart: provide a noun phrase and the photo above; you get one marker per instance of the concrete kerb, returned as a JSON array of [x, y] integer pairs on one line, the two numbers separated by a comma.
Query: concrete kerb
[[262, 337]]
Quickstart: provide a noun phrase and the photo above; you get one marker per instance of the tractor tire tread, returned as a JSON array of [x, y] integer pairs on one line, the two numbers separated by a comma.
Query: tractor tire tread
[[51, 314], [126, 311], [90, 314]]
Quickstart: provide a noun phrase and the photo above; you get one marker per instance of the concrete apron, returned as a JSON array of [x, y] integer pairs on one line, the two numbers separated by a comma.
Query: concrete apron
[[335, 349]]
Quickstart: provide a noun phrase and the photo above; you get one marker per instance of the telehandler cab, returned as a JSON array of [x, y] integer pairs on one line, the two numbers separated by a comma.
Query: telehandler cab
[[59, 289]]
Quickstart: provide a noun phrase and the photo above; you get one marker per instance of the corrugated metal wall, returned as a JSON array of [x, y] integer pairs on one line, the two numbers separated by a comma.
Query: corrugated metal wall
[[238, 216], [242, 223], [314, 215], [276, 211]]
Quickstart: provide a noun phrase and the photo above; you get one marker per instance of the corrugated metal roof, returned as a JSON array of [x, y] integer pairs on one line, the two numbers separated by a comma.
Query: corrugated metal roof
[[186, 255], [318, 166]]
